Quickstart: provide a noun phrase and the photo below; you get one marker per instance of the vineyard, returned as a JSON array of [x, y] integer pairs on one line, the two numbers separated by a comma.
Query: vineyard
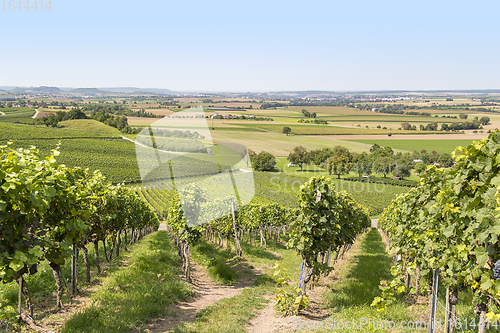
[[285, 187], [66, 230], [113, 156], [446, 231], [13, 115], [49, 213], [52, 215]]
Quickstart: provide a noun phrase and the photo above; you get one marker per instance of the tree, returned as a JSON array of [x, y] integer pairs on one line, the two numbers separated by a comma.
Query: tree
[[320, 156], [342, 151], [420, 167], [75, 114], [383, 165], [374, 148], [338, 165], [484, 120], [445, 159], [463, 116], [287, 130], [361, 164], [406, 126], [382, 151], [401, 170], [263, 161], [299, 155]]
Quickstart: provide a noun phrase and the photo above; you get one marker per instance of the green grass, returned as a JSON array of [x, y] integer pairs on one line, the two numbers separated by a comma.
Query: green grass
[[352, 293], [440, 146], [90, 125], [229, 314], [233, 314], [313, 129], [42, 286], [216, 260], [137, 292]]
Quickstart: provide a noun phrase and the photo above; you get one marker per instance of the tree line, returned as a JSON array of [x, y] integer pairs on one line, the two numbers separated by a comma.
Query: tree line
[[339, 160]]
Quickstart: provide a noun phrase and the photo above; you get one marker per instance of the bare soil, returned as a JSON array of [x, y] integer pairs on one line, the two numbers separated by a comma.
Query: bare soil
[[206, 293], [269, 320]]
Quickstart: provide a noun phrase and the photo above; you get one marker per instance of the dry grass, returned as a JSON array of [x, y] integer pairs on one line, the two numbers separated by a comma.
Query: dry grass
[[140, 121]]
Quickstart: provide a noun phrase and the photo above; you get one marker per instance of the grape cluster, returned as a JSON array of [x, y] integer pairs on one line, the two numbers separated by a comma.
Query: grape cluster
[[461, 286], [496, 270]]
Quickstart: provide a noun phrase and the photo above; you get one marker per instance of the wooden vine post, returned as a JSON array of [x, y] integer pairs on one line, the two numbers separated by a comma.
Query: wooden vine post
[[433, 301], [74, 270], [236, 240]]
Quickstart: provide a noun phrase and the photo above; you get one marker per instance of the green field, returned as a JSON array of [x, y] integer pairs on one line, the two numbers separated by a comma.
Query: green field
[[440, 146], [313, 129]]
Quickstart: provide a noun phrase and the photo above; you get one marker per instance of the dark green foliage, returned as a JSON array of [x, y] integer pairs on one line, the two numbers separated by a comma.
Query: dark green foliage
[[263, 161]]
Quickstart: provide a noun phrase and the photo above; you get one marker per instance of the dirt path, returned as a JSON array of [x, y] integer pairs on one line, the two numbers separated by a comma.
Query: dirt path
[[36, 114], [2, 114], [206, 294], [268, 321]]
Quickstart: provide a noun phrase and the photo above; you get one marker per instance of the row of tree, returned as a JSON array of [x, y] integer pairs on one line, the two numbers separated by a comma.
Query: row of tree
[[307, 114], [456, 126], [382, 160], [339, 160], [117, 121]]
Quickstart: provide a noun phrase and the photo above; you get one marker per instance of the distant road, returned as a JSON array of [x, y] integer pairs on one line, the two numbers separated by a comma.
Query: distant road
[[2, 114], [471, 136], [36, 114], [137, 143], [374, 223]]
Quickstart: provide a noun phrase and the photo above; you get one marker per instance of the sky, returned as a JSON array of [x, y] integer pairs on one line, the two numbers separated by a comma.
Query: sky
[[241, 46]]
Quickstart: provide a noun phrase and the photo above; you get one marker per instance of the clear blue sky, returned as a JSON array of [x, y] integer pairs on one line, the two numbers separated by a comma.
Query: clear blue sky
[[253, 45]]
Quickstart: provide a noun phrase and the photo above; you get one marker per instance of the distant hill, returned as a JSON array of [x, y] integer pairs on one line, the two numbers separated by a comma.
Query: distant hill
[[304, 92], [84, 91], [36, 90], [88, 91], [133, 90]]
